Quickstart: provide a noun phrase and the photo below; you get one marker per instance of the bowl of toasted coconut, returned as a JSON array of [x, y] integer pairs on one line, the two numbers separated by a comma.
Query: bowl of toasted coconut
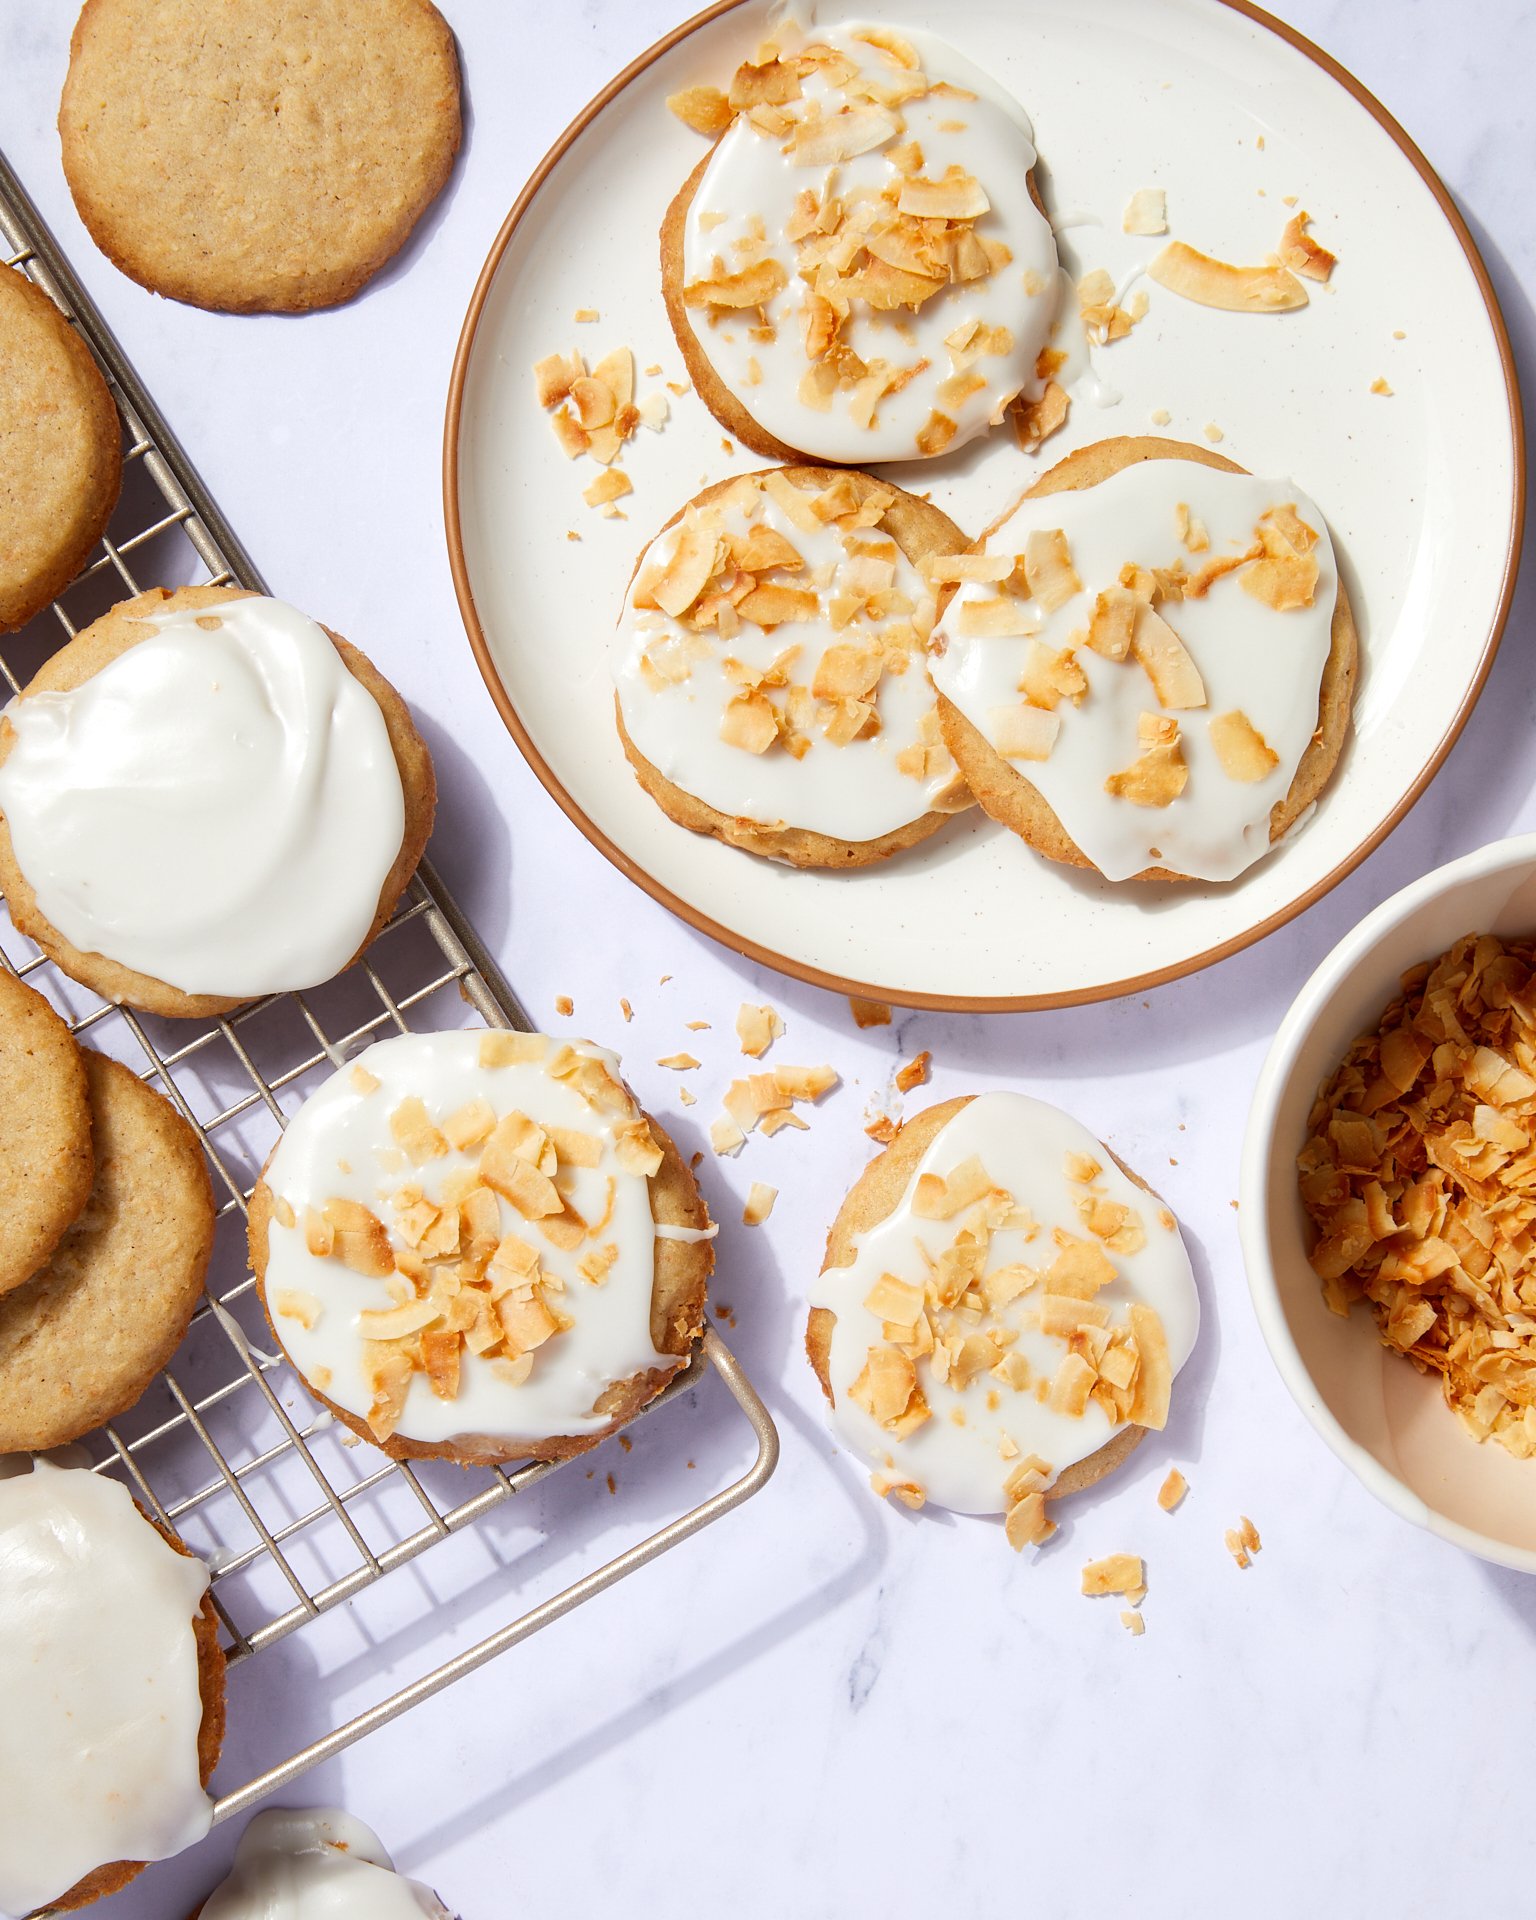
[[1388, 1209]]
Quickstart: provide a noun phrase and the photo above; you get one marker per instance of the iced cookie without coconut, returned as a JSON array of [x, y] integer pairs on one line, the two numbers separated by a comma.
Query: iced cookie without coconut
[[83, 1338], [859, 270], [476, 1247], [260, 155], [61, 451], [207, 797], [113, 1682], [1001, 1313], [771, 685], [46, 1163], [318, 1864], [1149, 670]]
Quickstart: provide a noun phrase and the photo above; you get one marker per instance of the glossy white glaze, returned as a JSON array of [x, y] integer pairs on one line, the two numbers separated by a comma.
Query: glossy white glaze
[[316, 1864]]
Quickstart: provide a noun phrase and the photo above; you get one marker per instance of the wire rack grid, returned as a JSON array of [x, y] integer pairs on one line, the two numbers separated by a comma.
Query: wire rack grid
[[226, 1449]]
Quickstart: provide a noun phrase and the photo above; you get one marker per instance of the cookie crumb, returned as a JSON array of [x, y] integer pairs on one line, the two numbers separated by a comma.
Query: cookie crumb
[[626, 1443]]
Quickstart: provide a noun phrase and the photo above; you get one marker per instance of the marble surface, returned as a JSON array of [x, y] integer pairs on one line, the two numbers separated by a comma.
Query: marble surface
[[825, 1705]]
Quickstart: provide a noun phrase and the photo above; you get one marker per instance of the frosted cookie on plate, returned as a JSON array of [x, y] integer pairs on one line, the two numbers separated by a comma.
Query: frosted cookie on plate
[[317, 1864], [771, 683], [1150, 668], [207, 797], [475, 1246], [1001, 1313], [859, 269], [84, 1336], [113, 1683], [61, 451]]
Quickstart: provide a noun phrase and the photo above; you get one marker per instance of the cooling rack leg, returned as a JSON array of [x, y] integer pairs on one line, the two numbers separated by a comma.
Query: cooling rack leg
[[745, 1395]]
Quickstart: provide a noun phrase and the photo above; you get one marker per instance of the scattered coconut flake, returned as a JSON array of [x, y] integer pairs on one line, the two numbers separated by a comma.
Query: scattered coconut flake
[[1145, 212], [1172, 1491], [915, 1072], [757, 1028], [1215, 283], [759, 1205], [869, 1013]]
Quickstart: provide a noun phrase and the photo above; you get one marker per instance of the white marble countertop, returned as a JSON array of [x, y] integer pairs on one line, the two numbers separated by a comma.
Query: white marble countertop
[[826, 1706]]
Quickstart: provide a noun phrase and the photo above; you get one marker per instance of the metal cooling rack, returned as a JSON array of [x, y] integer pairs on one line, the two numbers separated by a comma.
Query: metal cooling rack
[[226, 1448]]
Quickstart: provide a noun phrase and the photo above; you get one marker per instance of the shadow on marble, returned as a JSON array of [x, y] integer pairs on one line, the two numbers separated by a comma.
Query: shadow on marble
[[471, 845]]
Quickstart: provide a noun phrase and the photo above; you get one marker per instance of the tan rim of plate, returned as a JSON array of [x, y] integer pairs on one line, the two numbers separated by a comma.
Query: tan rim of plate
[[962, 1003]]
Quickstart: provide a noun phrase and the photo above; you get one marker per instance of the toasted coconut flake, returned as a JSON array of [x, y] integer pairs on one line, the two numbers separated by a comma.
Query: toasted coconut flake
[[943, 568], [503, 1049], [1300, 252], [610, 485], [1023, 732], [757, 1028], [1115, 613], [1051, 676], [1240, 747], [1036, 420], [955, 195], [705, 109], [1132, 1622], [363, 1081], [293, 1303], [1154, 1377], [1003, 617], [1192, 529], [1052, 579], [908, 1492], [1380, 386], [759, 1204], [1214, 283], [1159, 775], [750, 723], [869, 1013], [678, 1062], [1158, 649], [750, 286], [1026, 1523], [915, 1072], [937, 433], [1116, 1573], [1172, 1491], [1146, 212], [555, 375]]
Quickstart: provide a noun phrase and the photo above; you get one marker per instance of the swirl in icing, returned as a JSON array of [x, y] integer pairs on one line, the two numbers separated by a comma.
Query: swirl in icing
[[514, 1319], [217, 808], [317, 1864], [1251, 615], [1052, 1232], [823, 719], [99, 1684], [925, 320]]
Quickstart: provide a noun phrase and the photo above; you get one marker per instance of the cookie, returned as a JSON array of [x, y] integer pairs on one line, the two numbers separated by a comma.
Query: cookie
[[292, 1863], [771, 689], [207, 797], [1186, 655], [82, 1339], [860, 269], [475, 1247], [261, 155], [1001, 1312], [61, 451], [46, 1163], [104, 1610]]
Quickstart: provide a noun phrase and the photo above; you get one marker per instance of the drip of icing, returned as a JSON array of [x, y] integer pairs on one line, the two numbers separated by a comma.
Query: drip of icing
[[610, 1339], [1254, 660], [853, 792], [217, 808], [748, 177], [690, 1236], [98, 1679], [316, 1865], [1023, 1145]]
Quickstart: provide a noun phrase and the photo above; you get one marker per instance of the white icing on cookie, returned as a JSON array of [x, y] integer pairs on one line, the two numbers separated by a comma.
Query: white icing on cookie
[[745, 210], [99, 1702], [1023, 1147], [316, 1865], [681, 682], [342, 1146], [217, 808], [1251, 660]]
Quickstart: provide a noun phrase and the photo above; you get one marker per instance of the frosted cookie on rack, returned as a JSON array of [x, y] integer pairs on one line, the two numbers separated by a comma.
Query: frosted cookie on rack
[[476, 1247], [84, 1336], [771, 684], [317, 1864], [113, 1683], [207, 797], [46, 1162], [859, 269], [61, 451], [1001, 1313], [1150, 668]]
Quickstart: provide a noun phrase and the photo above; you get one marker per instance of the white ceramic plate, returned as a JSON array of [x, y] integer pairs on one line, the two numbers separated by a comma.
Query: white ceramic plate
[[1229, 113]]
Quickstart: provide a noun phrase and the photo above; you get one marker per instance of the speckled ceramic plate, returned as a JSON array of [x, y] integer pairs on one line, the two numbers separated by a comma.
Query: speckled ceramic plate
[[1230, 112]]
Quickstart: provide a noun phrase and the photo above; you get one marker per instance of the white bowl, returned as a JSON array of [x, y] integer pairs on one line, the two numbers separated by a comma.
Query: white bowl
[[1382, 1417]]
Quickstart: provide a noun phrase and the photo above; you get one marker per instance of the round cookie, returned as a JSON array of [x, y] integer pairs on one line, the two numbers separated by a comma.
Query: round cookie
[[95, 648], [258, 155], [292, 1863], [374, 1140], [1014, 800], [92, 1502], [83, 1338], [860, 269], [46, 1163], [924, 801], [61, 451], [887, 1192]]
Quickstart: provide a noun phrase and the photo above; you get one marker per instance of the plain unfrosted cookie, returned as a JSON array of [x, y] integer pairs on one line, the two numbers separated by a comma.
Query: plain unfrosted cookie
[[258, 155], [94, 648], [61, 451], [82, 1339], [46, 1163]]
